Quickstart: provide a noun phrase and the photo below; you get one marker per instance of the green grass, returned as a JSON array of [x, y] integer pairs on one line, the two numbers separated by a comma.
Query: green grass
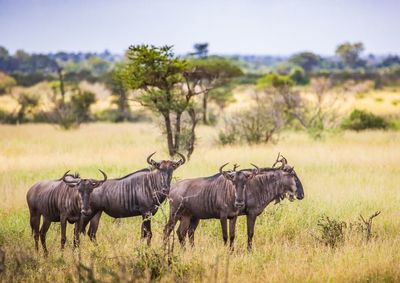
[[343, 176]]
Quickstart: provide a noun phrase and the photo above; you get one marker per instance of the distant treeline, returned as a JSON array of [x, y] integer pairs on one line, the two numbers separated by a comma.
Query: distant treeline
[[347, 64], [29, 69]]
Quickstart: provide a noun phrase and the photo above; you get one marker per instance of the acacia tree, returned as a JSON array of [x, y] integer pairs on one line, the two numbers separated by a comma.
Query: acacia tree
[[200, 50], [165, 84], [213, 73], [350, 53]]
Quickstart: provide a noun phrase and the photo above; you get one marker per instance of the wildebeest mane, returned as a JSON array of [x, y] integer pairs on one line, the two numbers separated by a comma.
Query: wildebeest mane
[[213, 177], [130, 174]]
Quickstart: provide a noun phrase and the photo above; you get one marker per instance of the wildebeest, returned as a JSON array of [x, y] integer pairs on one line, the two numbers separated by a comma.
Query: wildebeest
[[137, 194], [62, 200], [220, 196], [271, 184]]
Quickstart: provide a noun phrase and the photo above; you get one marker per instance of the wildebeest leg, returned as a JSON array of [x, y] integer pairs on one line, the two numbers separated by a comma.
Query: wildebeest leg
[[251, 220], [63, 222], [192, 229], [35, 223], [224, 226], [182, 230], [232, 226], [146, 228], [94, 225], [43, 231], [77, 230], [169, 227]]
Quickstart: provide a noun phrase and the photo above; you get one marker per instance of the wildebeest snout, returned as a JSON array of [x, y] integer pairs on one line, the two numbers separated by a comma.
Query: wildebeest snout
[[239, 204], [86, 212], [300, 196]]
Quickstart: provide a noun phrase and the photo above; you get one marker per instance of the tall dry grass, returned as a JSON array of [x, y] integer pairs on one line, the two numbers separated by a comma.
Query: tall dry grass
[[343, 176]]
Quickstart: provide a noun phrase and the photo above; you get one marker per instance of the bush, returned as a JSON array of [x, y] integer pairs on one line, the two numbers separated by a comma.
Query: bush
[[298, 75], [7, 118], [332, 231], [361, 120], [261, 123], [81, 105]]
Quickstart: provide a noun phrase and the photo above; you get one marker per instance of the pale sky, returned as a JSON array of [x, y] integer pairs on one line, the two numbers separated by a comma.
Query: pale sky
[[275, 27]]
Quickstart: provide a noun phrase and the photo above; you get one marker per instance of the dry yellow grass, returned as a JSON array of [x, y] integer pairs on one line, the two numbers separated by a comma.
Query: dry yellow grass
[[384, 102], [343, 176]]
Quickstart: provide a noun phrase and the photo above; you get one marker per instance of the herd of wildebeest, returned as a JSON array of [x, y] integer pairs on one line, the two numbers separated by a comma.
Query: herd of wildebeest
[[224, 196]]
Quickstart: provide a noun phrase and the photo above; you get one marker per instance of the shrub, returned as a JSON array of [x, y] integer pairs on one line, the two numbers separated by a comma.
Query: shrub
[[332, 231], [81, 105], [361, 120], [298, 75], [7, 118], [258, 124]]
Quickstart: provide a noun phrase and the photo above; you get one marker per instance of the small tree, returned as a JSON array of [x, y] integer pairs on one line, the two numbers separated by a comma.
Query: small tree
[[306, 60], [119, 91], [80, 105], [316, 113], [6, 83], [350, 53], [27, 102], [69, 113]]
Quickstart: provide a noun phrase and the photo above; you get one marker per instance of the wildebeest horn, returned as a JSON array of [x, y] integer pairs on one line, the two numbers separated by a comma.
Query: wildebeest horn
[[220, 168], [255, 166], [65, 174], [235, 166], [104, 175], [151, 161], [183, 159], [282, 160], [277, 160], [66, 181], [226, 174]]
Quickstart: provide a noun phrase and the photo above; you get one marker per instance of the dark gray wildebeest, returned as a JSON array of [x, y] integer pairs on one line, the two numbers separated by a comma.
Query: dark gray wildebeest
[[62, 200], [271, 184], [216, 197], [137, 194]]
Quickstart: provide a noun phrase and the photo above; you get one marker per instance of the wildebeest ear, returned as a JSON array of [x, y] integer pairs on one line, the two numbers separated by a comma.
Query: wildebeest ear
[[229, 175], [289, 169]]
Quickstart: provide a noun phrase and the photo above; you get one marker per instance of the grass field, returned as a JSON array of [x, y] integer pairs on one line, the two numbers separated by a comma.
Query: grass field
[[343, 176]]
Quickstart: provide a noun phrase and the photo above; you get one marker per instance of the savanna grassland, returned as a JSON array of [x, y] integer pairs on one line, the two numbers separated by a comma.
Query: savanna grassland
[[344, 175]]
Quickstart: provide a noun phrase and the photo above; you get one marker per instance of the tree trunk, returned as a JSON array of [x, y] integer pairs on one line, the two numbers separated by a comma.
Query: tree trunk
[[61, 78], [123, 107], [205, 101], [170, 141], [192, 138], [178, 131], [21, 114]]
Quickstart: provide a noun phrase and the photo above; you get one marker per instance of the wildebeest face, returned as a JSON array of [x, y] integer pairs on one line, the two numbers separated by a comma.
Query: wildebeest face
[[166, 169], [85, 187], [239, 180], [299, 187], [293, 186]]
